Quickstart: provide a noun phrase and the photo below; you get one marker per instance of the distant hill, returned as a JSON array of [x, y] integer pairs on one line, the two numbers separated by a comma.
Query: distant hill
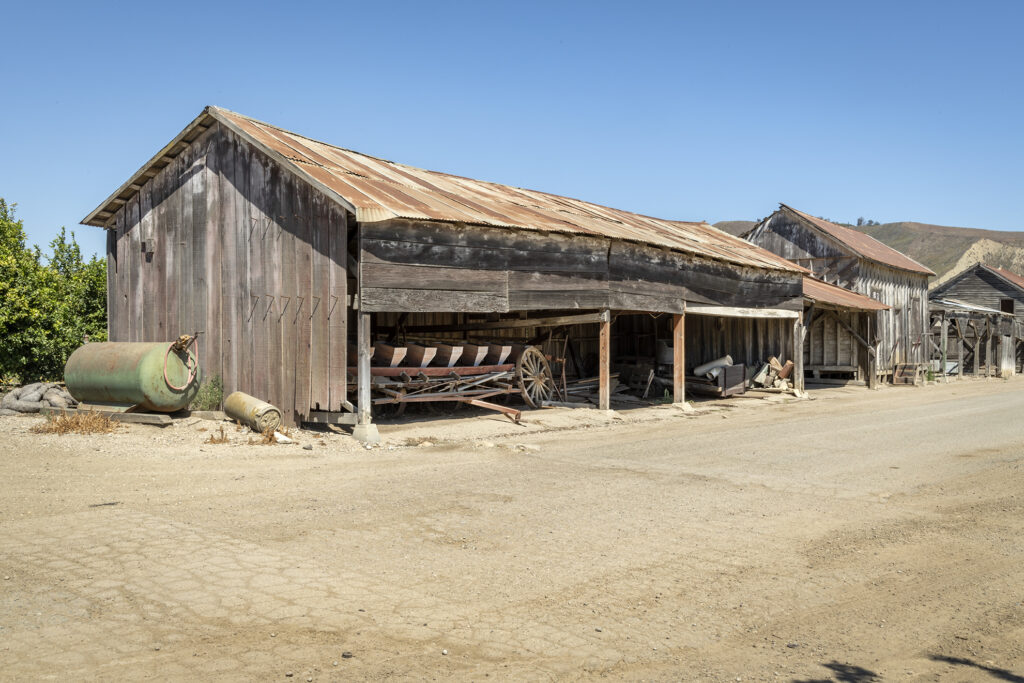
[[944, 249]]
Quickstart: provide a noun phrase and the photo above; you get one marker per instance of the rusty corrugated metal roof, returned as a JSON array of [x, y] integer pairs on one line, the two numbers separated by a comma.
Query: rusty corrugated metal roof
[[1012, 278], [378, 190], [864, 245], [823, 292]]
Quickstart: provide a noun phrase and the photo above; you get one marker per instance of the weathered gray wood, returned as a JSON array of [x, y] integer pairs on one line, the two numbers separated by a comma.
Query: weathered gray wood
[[304, 224], [379, 275], [678, 359], [842, 323], [988, 348], [740, 312], [980, 286], [429, 300], [790, 236], [604, 366], [944, 347], [323, 417], [112, 291], [516, 323], [363, 377], [136, 266], [213, 258], [798, 353], [960, 358], [319, 296], [182, 322], [336, 307]]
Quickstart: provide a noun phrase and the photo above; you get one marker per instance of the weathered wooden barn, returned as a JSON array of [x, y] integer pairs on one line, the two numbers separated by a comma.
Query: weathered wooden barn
[[982, 285], [293, 257], [838, 325], [985, 307], [850, 259]]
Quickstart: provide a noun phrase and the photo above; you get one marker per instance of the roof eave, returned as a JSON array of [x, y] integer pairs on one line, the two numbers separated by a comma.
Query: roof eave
[[923, 270], [103, 214], [999, 275]]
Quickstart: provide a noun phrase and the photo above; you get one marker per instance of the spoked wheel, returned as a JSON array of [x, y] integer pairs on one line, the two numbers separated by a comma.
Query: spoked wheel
[[534, 376]]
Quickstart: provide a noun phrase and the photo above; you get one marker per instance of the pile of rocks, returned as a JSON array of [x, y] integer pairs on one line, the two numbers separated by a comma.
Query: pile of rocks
[[32, 398]]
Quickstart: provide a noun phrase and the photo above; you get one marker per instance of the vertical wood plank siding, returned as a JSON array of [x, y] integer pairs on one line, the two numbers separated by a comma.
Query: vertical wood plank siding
[[748, 340], [221, 241], [899, 330]]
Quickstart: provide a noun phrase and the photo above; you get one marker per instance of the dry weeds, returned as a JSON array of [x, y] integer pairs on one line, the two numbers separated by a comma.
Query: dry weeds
[[82, 422], [219, 437]]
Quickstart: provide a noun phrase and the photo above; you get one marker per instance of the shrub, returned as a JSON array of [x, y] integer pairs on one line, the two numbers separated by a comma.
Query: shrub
[[50, 304], [210, 395]]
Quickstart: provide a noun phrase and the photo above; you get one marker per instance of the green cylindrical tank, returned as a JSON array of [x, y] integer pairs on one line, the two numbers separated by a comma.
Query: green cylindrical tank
[[133, 374]]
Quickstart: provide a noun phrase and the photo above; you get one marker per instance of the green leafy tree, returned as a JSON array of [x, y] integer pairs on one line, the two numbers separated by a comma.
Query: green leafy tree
[[49, 305]]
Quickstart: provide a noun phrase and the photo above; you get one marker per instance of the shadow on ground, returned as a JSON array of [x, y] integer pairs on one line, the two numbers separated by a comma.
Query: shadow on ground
[[844, 673], [995, 672]]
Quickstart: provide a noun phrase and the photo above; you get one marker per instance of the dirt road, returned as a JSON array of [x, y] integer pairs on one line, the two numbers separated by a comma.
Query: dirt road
[[860, 536]]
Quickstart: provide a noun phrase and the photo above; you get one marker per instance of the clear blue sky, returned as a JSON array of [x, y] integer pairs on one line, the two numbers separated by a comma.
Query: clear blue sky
[[715, 111]]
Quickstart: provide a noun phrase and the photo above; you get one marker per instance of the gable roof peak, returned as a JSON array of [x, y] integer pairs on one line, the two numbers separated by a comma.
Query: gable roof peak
[[861, 244]]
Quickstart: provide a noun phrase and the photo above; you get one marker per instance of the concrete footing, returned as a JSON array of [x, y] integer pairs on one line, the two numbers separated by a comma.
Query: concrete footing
[[366, 433]]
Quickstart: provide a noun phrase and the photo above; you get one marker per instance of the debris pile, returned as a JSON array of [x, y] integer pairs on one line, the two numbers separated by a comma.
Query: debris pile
[[32, 398], [774, 375]]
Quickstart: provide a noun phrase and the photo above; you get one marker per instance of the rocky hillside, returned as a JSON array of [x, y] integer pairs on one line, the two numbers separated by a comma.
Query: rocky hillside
[[944, 249]]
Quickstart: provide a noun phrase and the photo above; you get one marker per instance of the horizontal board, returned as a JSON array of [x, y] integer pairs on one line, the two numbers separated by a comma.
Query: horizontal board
[[533, 300], [480, 258], [403, 276], [438, 234], [373, 299]]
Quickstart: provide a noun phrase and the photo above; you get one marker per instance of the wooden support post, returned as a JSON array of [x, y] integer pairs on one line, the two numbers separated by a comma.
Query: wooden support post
[[679, 358], [364, 430], [365, 351], [872, 357], [988, 347], [959, 357], [604, 363], [798, 353], [944, 346]]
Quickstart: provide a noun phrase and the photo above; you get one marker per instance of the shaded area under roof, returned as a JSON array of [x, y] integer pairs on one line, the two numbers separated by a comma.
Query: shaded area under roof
[[378, 190], [863, 245], [822, 292]]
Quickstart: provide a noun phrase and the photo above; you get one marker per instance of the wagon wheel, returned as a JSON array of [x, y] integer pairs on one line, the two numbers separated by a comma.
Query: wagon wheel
[[534, 376]]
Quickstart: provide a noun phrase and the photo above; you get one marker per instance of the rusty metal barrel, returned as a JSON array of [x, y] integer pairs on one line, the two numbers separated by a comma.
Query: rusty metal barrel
[[154, 376], [258, 415]]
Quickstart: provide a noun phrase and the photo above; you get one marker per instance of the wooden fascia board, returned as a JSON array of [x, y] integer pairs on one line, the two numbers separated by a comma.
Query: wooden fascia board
[[140, 177]]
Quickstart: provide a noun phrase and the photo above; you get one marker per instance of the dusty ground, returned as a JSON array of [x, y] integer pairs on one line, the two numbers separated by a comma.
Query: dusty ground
[[859, 536]]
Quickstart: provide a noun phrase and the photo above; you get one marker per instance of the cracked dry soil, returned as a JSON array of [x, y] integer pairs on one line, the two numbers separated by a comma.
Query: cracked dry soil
[[859, 536]]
